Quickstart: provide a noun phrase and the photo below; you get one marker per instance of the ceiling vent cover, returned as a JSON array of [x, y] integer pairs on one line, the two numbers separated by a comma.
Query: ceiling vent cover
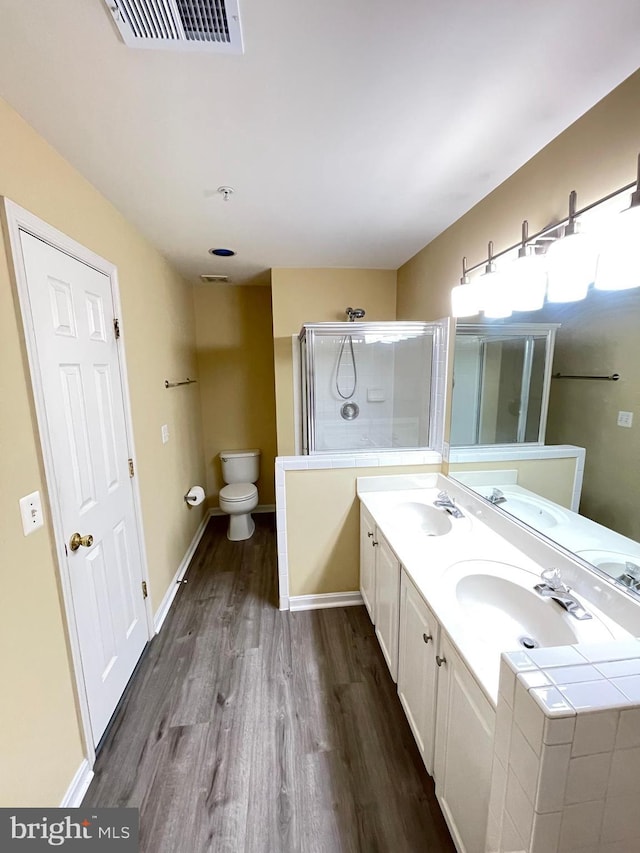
[[212, 25]]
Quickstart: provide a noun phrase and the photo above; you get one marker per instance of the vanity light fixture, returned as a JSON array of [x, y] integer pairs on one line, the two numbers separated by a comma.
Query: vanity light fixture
[[465, 297], [529, 276], [496, 293], [617, 267], [571, 261]]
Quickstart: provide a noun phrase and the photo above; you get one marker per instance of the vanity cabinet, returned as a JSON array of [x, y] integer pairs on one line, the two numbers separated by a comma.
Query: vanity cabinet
[[464, 750], [387, 602], [367, 561], [417, 669]]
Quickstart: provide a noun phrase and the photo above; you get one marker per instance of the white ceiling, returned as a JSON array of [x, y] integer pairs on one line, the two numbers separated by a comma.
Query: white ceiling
[[353, 131]]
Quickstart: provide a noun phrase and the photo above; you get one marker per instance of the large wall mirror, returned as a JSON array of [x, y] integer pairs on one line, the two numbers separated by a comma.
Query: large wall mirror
[[596, 339]]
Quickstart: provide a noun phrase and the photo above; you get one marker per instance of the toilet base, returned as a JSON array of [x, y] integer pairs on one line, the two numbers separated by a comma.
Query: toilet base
[[241, 527]]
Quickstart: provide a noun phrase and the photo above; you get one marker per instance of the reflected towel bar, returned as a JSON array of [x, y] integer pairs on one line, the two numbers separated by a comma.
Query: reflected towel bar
[[612, 378], [186, 381]]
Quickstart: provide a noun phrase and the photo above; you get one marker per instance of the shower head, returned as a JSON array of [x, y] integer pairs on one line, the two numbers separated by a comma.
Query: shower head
[[354, 314]]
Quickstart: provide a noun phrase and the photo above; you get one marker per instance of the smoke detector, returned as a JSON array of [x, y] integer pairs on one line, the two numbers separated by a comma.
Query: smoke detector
[[191, 25], [210, 278]]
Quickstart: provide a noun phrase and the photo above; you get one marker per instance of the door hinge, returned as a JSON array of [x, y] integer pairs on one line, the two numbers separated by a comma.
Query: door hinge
[[116, 327], [144, 589], [131, 471]]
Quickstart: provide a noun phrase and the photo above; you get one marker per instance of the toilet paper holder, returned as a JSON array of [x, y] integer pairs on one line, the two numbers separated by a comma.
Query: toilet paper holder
[[195, 496]]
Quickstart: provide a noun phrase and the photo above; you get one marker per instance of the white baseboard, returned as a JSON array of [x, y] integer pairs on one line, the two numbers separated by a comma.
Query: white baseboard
[[78, 787], [170, 594], [327, 599]]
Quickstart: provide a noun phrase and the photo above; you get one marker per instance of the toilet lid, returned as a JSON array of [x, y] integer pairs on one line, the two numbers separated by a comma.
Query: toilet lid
[[238, 491]]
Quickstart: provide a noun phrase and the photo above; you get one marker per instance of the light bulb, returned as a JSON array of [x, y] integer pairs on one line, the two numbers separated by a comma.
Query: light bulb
[[617, 267], [496, 296], [571, 263], [465, 300], [528, 282]]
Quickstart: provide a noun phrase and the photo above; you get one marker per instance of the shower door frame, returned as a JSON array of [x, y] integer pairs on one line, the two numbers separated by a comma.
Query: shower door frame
[[339, 329]]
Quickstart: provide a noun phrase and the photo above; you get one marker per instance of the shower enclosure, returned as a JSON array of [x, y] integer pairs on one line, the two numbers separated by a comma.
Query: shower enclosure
[[368, 385], [501, 379]]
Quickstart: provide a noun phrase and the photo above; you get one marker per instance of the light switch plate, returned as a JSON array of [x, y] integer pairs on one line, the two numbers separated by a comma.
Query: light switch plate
[[165, 433], [625, 419], [31, 512]]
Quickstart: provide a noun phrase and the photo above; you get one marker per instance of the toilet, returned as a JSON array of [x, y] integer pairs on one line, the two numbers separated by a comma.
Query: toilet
[[240, 470]]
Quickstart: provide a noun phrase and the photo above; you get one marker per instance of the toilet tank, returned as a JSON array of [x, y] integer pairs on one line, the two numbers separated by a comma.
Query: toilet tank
[[240, 466]]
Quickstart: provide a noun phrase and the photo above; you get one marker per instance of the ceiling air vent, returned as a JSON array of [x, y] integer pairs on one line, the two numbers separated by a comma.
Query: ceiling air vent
[[212, 25], [210, 278]]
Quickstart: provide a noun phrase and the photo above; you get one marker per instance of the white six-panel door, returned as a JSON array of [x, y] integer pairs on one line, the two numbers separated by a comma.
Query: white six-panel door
[[72, 315]]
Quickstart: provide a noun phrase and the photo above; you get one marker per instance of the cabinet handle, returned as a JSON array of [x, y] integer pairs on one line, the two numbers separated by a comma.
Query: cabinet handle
[[374, 543], [427, 637], [370, 534], [440, 660]]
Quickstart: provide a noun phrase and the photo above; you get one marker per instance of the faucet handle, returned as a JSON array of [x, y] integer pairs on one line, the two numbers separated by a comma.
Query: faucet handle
[[496, 493], [553, 579], [444, 496]]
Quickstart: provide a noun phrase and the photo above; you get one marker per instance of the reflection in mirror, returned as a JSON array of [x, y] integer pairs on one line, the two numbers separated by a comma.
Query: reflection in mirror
[[501, 380], [598, 336], [589, 413]]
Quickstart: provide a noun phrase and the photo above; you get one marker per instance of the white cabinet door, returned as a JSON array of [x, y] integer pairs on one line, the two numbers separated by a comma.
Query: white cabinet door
[[417, 669], [367, 561], [464, 742], [387, 603]]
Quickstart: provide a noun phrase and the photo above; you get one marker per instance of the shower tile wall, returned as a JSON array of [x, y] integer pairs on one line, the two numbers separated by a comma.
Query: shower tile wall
[[392, 392], [373, 394]]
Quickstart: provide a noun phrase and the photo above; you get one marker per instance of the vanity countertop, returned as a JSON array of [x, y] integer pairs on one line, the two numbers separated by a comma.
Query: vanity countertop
[[477, 573]]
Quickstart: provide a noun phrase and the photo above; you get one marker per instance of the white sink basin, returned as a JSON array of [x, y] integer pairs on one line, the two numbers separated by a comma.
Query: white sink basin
[[421, 518], [499, 604]]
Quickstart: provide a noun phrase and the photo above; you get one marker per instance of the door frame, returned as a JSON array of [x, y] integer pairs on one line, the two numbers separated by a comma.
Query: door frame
[[18, 219]]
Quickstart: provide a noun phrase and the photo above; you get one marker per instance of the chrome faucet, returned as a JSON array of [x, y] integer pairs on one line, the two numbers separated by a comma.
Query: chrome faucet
[[448, 504], [496, 497], [553, 587], [630, 577]]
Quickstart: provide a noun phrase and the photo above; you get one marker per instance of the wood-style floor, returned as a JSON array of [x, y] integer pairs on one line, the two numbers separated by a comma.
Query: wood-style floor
[[250, 730]]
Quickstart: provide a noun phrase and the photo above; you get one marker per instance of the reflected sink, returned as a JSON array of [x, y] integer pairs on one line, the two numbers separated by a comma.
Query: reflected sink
[[422, 518], [537, 514], [499, 604], [613, 563]]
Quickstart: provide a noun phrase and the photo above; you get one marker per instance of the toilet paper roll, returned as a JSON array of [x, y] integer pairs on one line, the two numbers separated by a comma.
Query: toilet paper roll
[[194, 496]]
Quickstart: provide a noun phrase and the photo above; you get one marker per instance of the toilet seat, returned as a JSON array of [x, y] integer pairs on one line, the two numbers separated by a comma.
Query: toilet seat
[[238, 492]]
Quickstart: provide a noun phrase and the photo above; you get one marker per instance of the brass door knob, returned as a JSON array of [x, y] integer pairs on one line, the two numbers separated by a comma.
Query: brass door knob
[[76, 541]]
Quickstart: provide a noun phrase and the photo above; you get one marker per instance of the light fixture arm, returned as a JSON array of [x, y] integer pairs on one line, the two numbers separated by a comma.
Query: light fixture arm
[[573, 215], [523, 251], [635, 196], [572, 226], [464, 279]]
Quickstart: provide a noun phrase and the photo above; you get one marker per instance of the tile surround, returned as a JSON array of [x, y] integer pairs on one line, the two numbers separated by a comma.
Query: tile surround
[[569, 752]]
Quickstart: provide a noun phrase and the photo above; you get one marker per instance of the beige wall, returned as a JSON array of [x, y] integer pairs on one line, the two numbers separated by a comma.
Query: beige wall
[[314, 296], [40, 740], [595, 156], [600, 336], [235, 367], [323, 519]]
